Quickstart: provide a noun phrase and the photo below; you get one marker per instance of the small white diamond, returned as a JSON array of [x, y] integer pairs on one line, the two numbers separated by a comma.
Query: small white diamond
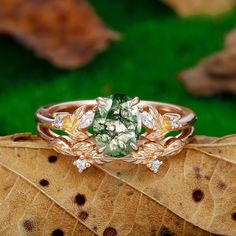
[[81, 164], [175, 123], [58, 122], [86, 120], [154, 165], [147, 119]]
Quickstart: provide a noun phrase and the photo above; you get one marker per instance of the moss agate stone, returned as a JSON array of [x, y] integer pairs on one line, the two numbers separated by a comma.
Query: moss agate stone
[[116, 125]]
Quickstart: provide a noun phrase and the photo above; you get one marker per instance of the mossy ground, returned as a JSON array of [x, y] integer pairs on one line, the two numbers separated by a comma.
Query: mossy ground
[[156, 46]]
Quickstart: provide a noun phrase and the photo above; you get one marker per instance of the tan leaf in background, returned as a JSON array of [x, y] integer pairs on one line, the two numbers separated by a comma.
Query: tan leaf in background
[[67, 33], [42, 192], [214, 75], [198, 7]]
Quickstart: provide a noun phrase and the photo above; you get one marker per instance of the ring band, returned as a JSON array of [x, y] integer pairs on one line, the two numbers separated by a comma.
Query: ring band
[[116, 128]]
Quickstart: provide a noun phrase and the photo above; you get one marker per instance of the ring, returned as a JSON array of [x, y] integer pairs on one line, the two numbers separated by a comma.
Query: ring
[[116, 128]]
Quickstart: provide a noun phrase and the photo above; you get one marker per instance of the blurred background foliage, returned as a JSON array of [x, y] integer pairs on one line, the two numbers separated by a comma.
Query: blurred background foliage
[[156, 45]]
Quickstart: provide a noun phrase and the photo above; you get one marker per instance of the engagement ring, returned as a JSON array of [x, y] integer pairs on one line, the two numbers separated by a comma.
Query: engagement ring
[[116, 127]]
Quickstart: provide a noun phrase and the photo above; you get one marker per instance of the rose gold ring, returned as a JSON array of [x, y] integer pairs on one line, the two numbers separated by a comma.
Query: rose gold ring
[[116, 128]]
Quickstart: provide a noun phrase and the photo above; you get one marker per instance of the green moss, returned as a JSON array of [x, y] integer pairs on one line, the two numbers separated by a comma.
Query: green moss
[[156, 45], [116, 125]]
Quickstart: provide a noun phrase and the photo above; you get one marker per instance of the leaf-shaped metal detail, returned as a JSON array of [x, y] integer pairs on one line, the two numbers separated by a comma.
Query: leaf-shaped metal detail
[[70, 123]]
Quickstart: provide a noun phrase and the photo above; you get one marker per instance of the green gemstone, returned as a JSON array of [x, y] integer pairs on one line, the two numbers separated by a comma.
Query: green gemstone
[[116, 125]]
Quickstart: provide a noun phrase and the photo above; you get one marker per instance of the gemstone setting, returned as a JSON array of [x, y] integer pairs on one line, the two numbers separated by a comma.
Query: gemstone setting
[[147, 120], [86, 120], [117, 125], [154, 165], [82, 164], [58, 122]]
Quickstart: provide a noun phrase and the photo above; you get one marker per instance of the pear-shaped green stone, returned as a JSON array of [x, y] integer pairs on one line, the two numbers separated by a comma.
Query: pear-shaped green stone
[[116, 125]]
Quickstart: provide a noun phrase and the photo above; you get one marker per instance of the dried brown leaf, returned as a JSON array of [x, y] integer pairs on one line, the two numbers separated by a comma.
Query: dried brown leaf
[[214, 75], [193, 193], [222, 148], [196, 7], [68, 33]]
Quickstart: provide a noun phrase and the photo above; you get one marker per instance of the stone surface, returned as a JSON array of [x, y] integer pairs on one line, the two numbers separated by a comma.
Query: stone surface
[[116, 125]]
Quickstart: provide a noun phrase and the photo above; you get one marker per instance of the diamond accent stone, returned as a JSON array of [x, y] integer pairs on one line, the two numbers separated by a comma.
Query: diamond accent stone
[[82, 164], [117, 125], [86, 119], [58, 122], [154, 165], [147, 119], [175, 122]]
